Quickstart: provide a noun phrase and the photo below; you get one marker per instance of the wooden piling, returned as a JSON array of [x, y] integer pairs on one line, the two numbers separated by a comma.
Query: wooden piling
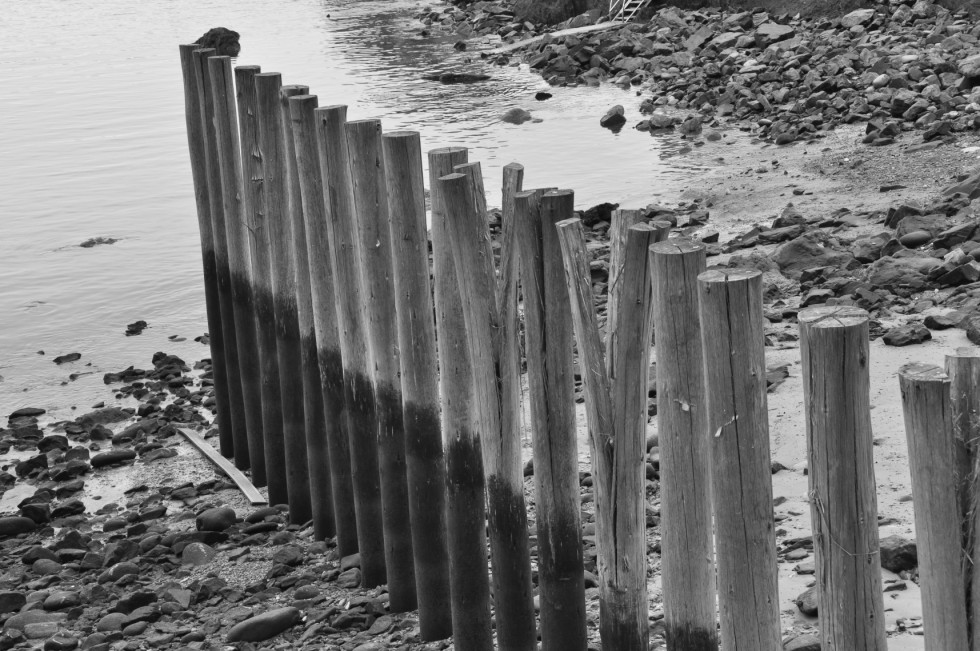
[[197, 137], [685, 462], [963, 368], [548, 347], [620, 223], [843, 502], [378, 307], [334, 444], [465, 506], [738, 423], [496, 383], [932, 459], [359, 396], [231, 418], [252, 200], [272, 214], [419, 380]]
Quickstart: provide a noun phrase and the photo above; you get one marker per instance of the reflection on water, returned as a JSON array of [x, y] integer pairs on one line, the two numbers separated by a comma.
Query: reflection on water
[[94, 146]]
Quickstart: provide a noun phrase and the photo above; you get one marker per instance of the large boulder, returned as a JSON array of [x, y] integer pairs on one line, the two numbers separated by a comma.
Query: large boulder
[[223, 40], [806, 252], [905, 272]]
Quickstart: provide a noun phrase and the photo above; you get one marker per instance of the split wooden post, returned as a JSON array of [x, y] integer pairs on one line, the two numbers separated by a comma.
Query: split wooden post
[[359, 397], [197, 142], [843, 502], [330, 445], [496, 384], [963, 368], [232, 194], [378, 305], [252, 199], [301, 409], [231, 419], [469, 580], [548, 342], [616, 410], [738, 423], [687, 560], [419, 380], [620, 223], [932, 458], [272, 214]]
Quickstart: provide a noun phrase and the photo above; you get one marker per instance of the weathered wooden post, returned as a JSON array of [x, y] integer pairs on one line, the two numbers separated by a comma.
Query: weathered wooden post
[[272, 213], [331, 445], [252, 199], [419, 380], [616, 409], [685, 459], [932, 456], [197, 137], [465, 505], [378, 306], [359, 397], [619, 225], [843, 503], [548, 341], [963, 368], [738, 423], [231, 420], [496, 384]]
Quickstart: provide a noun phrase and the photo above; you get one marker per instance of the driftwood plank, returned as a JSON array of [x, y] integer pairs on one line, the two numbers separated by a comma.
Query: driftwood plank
[[243, 483]]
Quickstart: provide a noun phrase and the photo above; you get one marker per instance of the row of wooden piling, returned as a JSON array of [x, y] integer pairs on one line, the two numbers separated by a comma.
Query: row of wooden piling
[[374, 386]]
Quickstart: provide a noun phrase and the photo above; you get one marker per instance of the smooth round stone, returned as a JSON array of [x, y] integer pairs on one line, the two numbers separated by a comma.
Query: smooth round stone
[[14, 525], [217, 519], [61, 643], [111, 622], [915, 239], [136, 628], [265, 626], [197, 554], [41, 630], [62, 599], [46, 566]]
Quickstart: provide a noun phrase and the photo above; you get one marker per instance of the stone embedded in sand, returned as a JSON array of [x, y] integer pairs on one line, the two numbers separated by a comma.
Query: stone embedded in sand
[[906, 335], [265, 626], [197, 554], [14, 525], [807, 602], [70, 357], [117, 455], [26, 412], [217, 519], [898, 554]]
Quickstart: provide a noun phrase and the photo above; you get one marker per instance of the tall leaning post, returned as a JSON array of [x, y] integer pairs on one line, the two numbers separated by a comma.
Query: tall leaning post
[[685, 467], [197, 144], [738, 424], [272, 213], [374, 239], [359, 397], [331, 446], [231, 418], [419, 380], [548, 347], [932, 457], [252, 199], [496, 383], [843, 501], [469, 580]]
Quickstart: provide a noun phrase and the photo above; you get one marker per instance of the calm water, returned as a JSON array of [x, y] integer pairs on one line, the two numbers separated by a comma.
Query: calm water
[[94, 146]]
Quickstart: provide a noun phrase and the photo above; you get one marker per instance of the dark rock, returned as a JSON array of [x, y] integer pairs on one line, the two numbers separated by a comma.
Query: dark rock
[[26, 412], [542, 96], [807, 602], [96, 241], [614, 118], [14, 525], [70, 357], [11, 601], [803, 643], [456, 78], [515, 116], [135, 328], [906, 335], [265, 626], [223, 40], [806, 252], [116, 455], [915, 239], [898, 554], [217, 519], [939, 322]]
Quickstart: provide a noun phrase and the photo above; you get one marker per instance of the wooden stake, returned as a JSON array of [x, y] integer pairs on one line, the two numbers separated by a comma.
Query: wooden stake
[[548, 341], [465, 505], [252, 200], [741, 486], [231, 418], [685, 460], [619, 225], [378, 306], [495, 373], [932, 458], [419, 380], [197, 137], [359, 396], [843, 503], [333, 446], [272, 214]]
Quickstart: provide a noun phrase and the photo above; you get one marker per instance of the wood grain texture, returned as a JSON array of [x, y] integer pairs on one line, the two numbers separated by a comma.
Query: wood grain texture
[[359, 394], [843, 502], [419, 380], [252, 494], [619, 226], [465, 480], [685, 457], [932, 458], [738, 422], [331, 445], [267, 87], [378, 312], [197, 137]]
